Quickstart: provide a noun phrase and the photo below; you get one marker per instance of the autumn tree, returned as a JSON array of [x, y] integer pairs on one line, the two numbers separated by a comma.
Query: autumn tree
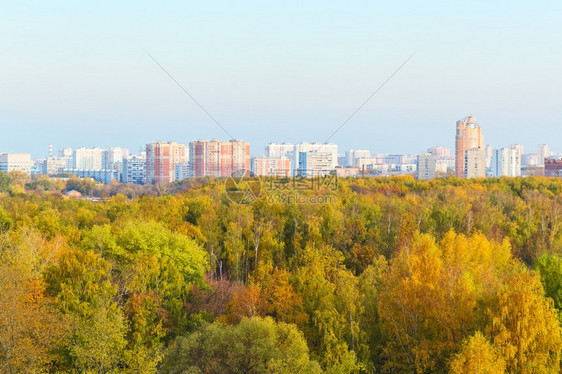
[[30, 328], [477, 356], [81, 284], [524, 326], [255, 345]]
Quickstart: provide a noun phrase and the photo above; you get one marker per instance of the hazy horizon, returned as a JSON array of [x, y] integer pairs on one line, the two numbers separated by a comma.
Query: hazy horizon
[[78, 74]]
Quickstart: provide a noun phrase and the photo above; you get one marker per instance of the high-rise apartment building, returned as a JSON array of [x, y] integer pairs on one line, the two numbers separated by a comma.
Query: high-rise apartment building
[[182, 171], [440, 152], [89, 159], [218, 159], [353, 155], [67, 154], [279, 149], [204, 157], [327, 150], [543, 153], [15, 161], [427, 164], [134, 169], [506, 162], [234, 156], [475, 163], [488, 152], [161, 158], [265, 166], [468, 137], [316, 163], [54, 165], [519, 147]]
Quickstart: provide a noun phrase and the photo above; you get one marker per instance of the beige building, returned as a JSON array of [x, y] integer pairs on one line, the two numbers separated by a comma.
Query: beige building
[[427, 164], [469, 136], [475, 163], [264, 166], [343, 172], [15, 161]]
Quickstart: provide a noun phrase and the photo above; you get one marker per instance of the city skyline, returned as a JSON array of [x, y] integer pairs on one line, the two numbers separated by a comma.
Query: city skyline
[[79, 76]]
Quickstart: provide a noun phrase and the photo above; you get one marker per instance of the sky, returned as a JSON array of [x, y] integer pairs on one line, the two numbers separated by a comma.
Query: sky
[[77, 73]]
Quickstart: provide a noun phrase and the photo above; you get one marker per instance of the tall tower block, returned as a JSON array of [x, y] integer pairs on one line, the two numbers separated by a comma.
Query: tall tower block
[[469, 136]]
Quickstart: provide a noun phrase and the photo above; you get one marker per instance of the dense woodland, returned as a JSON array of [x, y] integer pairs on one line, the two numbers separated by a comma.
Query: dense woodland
[[395, 276]]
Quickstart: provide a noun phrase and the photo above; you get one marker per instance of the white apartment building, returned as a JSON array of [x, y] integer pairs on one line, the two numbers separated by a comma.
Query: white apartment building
[[316, 163], [54, 165], [427, 166], [182, 171], [15, 161], [134, 169], [543, 152], [89, 158], [327, 150], [353, 155], [276, 150], [506, 162]]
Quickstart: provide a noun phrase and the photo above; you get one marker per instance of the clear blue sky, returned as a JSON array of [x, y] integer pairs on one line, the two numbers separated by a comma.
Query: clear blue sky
[[76, 73]]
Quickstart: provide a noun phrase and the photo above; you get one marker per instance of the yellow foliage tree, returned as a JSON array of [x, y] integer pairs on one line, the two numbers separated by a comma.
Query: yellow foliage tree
[[525, 326], [477, 356]]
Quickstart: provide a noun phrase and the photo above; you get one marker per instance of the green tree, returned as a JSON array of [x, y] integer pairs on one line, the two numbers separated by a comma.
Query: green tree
[[256, 345], [81, 283], [549, 268], [5, 182]]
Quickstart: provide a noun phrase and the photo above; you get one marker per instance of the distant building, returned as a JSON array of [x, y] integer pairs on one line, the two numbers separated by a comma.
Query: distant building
[[88, 158], [427, 165], [519, 147], [469, 137], [103, 175], [15, 161], [325, 156], [489, 151], [553, 168], [114, 159], [134, 169], [316, 163], [475, 163], [265, 166], [54, 165], [67, 154], [353, 155], [218, 159], [530, 159], [276, 150], [234, 156], [542, 154], [161, 158], [506, 162], [182, 171], [343, 172], [439, 152], [279, 149]]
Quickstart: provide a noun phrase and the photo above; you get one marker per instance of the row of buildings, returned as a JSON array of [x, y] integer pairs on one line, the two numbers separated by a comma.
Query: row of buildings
[[473, 159], [166, 162]]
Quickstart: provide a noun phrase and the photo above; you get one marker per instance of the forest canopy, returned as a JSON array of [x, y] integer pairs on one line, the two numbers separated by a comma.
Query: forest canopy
[[392, 275]]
